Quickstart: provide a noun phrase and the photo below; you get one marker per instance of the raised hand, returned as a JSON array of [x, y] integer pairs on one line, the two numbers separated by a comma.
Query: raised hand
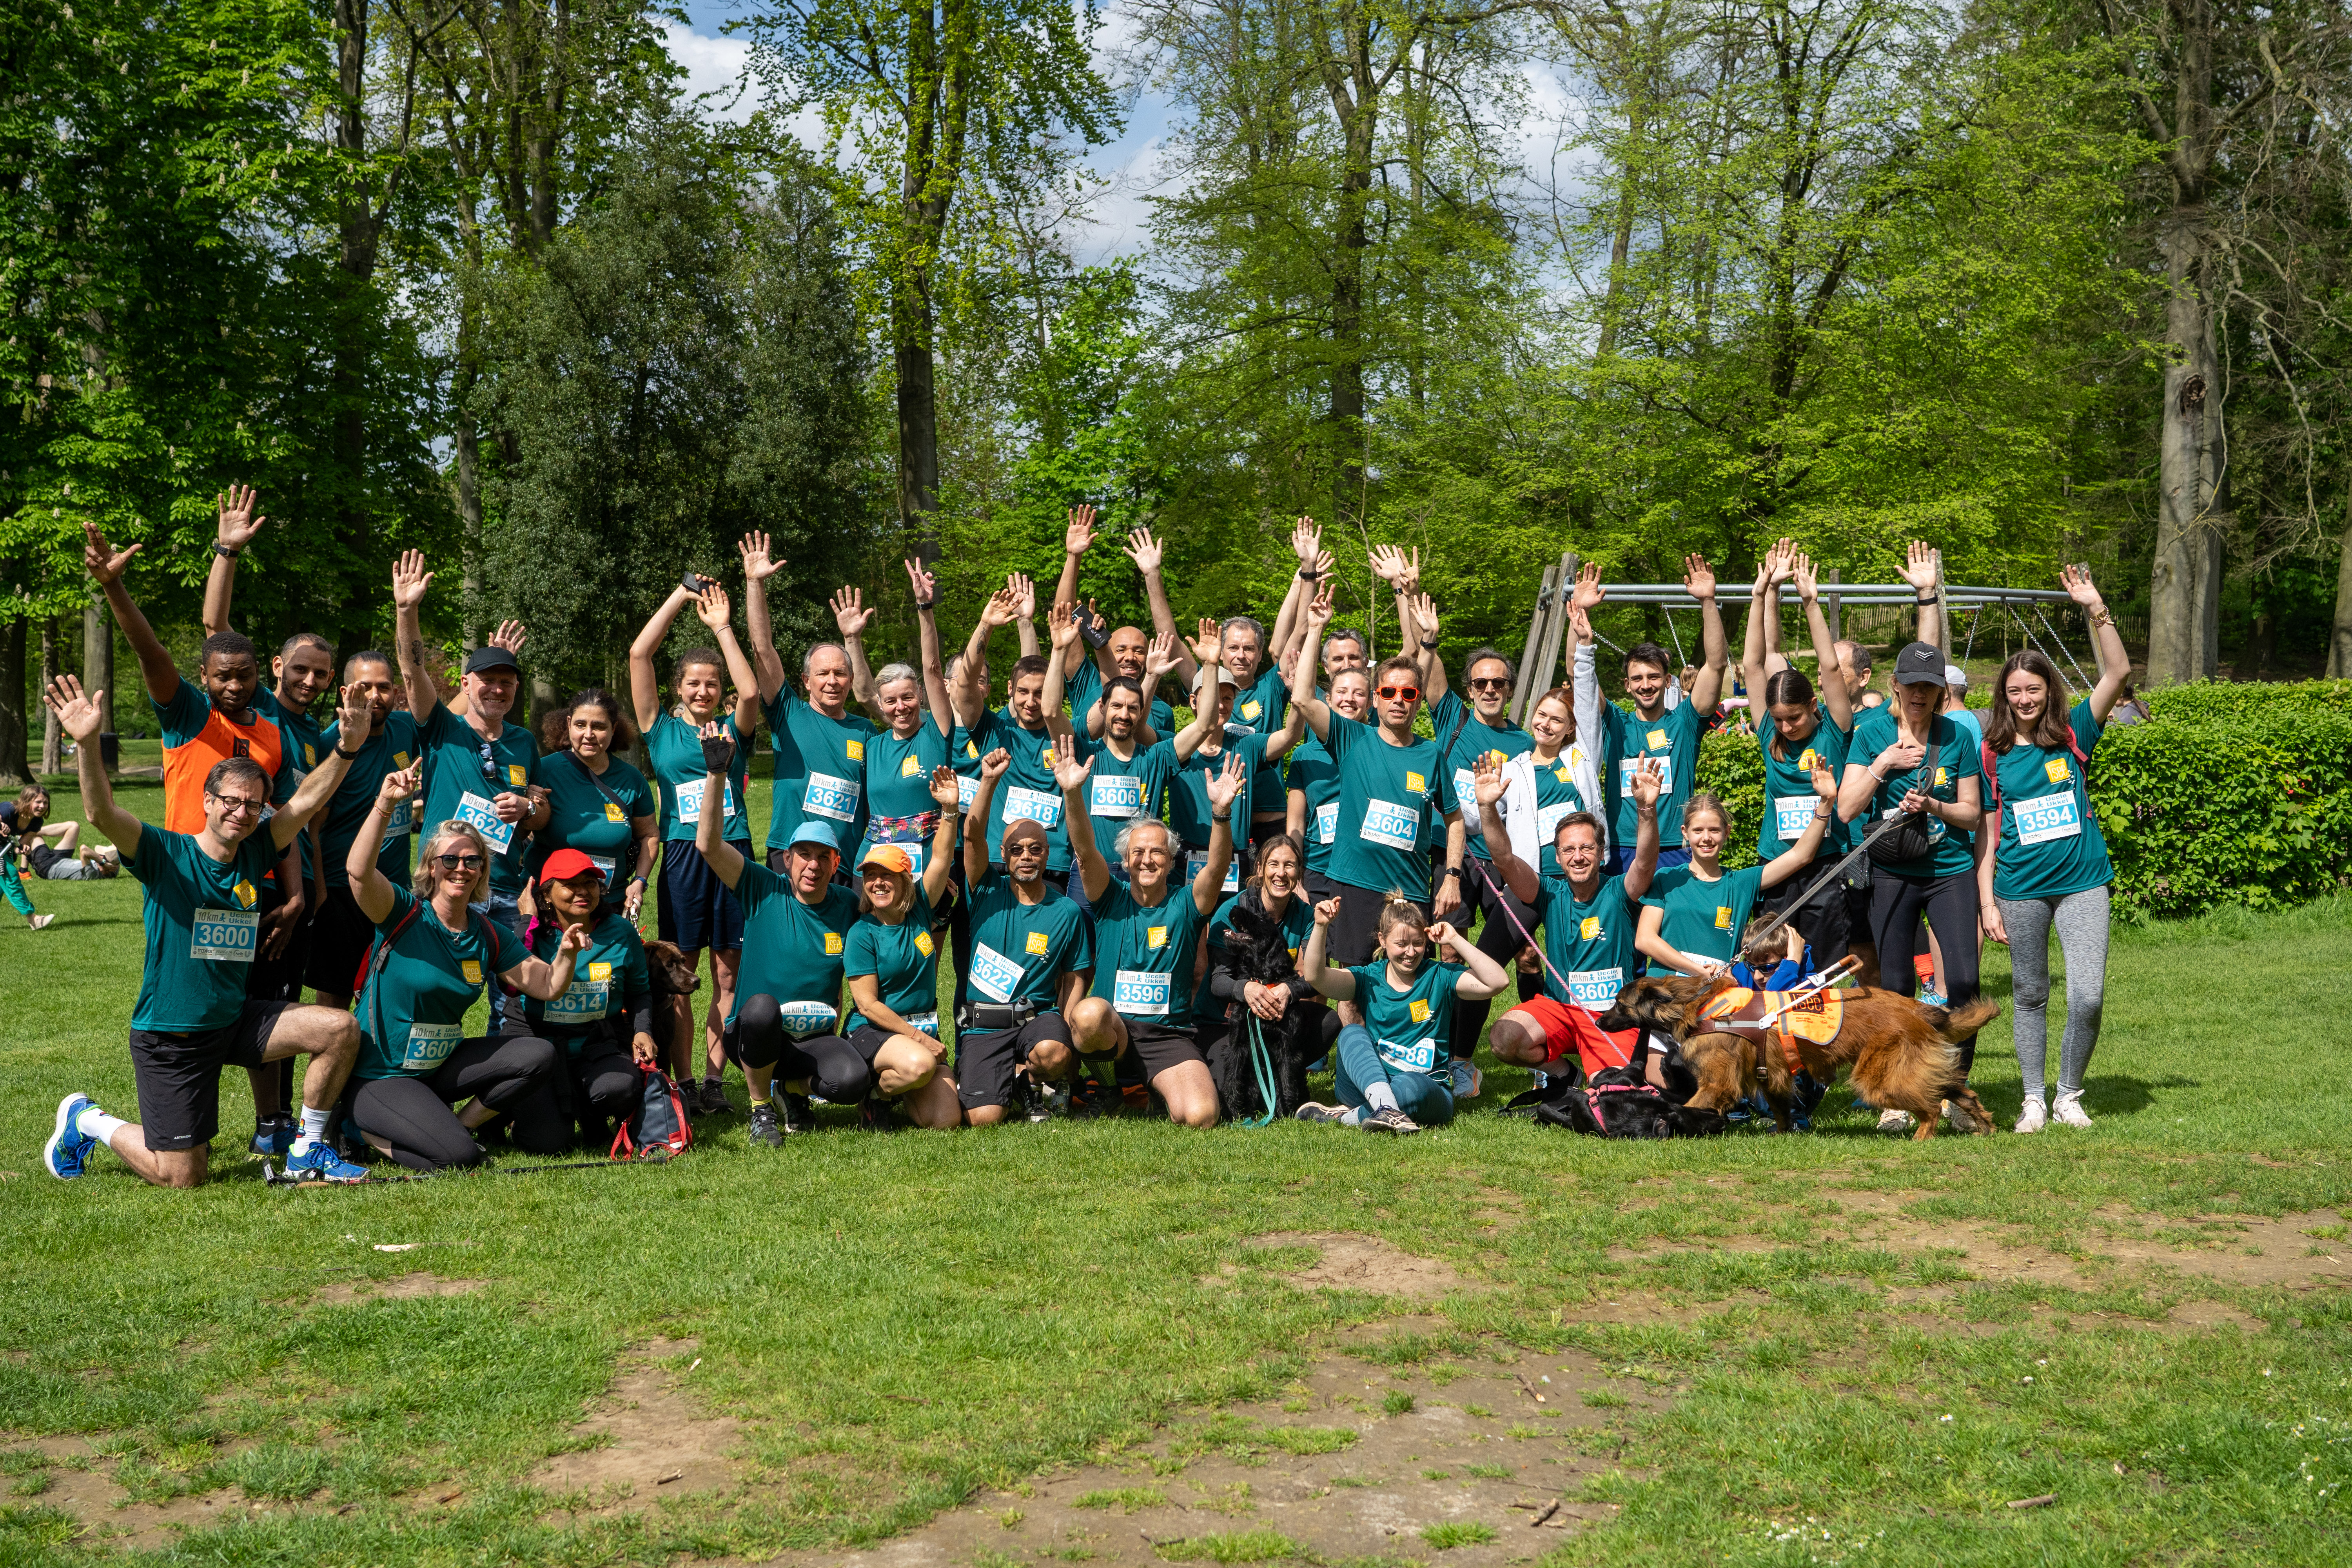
[[1318, 611], [1391, 566], [926, 586], [1327, 912], [509, 636], [1589, 592], [353, 711], [1487, 782], [1160, 658], [77, 714], [1224, 785], [1900, 757], [850, 614], [758, 563], [409, 580], [1024, 594], [2076, 580], [1442, 936], [400, 786], [236, 525], [1306, 540], [1808, 581], [1424, 617], [575, 940], [712, 607], [943, 788], [1580, 624], [1698, 578], [1062, 625], [1002, 609], [1069, 773], [1144, 551], [992, 766], [1649, 783], [1825, 783], [1206, 645], [103, 561], [1079, 536], [1779, 564], [718, 748], [1920, 565]]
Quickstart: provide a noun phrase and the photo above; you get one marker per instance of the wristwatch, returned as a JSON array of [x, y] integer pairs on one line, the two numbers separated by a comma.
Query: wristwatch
[[349, 756], [1454, 871]]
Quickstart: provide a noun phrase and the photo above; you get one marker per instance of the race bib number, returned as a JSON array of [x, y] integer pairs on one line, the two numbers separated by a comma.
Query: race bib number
[[1595, 990], [606, 865], [401, 823], [2051, 818], [225, 936], [1139, 994], [689, 800], [967, 790], [1792, 815], [831, 796], [1628, 766], [429, 1045], [806, 1020], [483, 816], [1547, 821], [1326, 822], [1391, 825], [1415, 1056], [923, 1022], [1116, 796], [994, 975], [1033, 805], [1194, 859], [583, 1001]]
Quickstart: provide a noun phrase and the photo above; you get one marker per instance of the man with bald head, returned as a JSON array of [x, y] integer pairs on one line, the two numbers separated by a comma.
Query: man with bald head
[[1121, 653], [820, 744]]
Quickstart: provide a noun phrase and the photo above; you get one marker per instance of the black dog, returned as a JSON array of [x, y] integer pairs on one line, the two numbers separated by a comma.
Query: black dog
[[1256, 949]]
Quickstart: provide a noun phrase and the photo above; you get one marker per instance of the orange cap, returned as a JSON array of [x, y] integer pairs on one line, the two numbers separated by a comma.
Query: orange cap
[[890, 857]]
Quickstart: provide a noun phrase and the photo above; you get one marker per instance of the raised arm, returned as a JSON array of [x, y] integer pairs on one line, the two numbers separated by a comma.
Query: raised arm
[[1077, 538], [1763, 613], [1584, 680], [1062, 625], [1306, 708], [645, 685], [234, 529], [1160, 658], [1024, 611], [369, 888], [80, 718], [710, 831], [409, 581], [1833, 693], [2115, 663], [1144, 550], [1071, 774], [543, 980], [714, 610], [1338, 984], [1486, 977], [1923, 567], [850, 618], [1649, 784], [926, 626], [288, 821], [1421, 610], [1195, 735], [975, 821], [759, 563], [106, 565], [1306, 544], [1707, 687], [1224, 787], [940, 863], [1800, 855], [970, 689], [1487, 786]]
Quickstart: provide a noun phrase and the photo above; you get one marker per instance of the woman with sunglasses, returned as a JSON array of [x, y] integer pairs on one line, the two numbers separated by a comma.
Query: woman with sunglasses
[[602, 1024], [592, 801], [432, 956]]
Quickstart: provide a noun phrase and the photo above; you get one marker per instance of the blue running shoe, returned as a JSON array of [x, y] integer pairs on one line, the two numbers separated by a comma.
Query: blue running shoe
[[67, 1153], [319, 1163], [274, 1137]]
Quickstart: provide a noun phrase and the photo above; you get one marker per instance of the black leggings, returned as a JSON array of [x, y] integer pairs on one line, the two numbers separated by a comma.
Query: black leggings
[[512, 1073], [1483, 891], [832, 1067], [1950, 904], [601, 1085]]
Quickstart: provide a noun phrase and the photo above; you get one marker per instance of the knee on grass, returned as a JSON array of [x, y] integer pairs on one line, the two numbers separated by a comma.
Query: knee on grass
[[1517, 1038]]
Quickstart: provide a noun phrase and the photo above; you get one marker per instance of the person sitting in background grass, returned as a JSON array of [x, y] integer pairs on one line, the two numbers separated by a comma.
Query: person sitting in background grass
[[12, 884], [195, 1015], [53, 851]]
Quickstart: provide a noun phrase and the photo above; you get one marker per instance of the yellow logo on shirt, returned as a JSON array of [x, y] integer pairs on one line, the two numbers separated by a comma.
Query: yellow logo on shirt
[[972, 749], [1155, 936], [1811, 760], [1942, 777], [1420, 1011], [517, 774], [833, 944], [1250, 710], [2057, 770], [910, 768], [400, 758], [598, 972], [923, 943], [1036, 946], [1415, 784], [1045, 756], [1723, 917], [612, 812], [1589, 929], [310, 756], [1561, 774], [245, 895], [472, 969]]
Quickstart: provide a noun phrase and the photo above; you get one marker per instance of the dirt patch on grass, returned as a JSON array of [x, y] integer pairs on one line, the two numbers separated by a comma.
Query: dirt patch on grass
[[652, 1442], [403, 1288], [79, 1480], [1348, 1261]]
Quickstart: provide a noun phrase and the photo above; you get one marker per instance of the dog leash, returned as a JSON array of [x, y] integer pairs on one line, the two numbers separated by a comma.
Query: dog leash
[[1833, 874], [1503, 900], [1262, 1067]]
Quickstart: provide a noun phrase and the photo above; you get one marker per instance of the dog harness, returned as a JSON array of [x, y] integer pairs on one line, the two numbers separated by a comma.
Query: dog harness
[[1780, 1017]]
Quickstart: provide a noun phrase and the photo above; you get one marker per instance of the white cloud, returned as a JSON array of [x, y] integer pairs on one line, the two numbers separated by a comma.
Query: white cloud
[[713, 66]]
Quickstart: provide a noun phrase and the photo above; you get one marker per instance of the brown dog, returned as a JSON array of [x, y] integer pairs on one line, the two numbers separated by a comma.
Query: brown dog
[[1903, 1054], [675, 982]]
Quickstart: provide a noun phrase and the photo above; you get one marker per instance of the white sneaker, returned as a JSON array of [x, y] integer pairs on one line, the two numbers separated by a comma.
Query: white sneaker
[[2034, 1118], [42, 922], [1959, 1121], [1896, 1121], [2067, 1108]]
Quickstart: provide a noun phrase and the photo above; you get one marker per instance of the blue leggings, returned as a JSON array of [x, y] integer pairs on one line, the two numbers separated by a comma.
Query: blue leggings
[[1426, 1100]]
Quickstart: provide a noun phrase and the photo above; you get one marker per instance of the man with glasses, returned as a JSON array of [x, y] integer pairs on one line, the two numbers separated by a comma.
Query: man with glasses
[[478, 767], [194, 1016]]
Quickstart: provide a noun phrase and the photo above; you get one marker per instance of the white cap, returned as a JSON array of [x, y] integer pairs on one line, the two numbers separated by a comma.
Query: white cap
[[1956, 677]]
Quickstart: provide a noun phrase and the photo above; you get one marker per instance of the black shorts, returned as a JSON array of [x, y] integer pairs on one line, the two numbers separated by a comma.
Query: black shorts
[[985, 1064], [1354, 936], [1826, 923], [697, 910], [339, 940], [1160, 1048], [179, 1075], [1320, 889], [280, 979]]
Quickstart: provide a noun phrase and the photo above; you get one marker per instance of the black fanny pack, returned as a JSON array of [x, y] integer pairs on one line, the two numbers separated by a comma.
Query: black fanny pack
[[1909, 840], [986, 1018]]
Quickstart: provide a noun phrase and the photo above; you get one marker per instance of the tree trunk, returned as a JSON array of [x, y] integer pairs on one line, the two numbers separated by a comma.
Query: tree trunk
[[1620, 243], [1346, 415], [356, 261], [12, 702], [98, 661], [51, 762], [2339, 640], [919, 442]]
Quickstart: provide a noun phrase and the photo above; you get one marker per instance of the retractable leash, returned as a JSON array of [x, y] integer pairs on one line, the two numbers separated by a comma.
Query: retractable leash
[[1892, 820]]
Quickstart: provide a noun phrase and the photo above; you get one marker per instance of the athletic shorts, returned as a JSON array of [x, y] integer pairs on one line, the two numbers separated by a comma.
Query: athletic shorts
[[1160, 1048], [985, 1064], [1355, 933], [697, 910], [56, 866], [339, 938], [1320, 889], [1559, 1036], [179, 1075]]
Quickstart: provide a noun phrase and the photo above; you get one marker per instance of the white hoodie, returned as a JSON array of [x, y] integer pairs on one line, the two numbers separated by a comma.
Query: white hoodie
[[1521, 821]]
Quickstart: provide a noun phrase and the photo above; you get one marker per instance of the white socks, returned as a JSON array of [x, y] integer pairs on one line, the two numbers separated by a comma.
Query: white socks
[[95, 1123], [314, 1127], [1380, 1097]]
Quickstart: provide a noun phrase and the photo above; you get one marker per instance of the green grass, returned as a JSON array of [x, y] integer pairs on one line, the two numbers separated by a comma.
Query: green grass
[[901, 1320], [1447, 1537]]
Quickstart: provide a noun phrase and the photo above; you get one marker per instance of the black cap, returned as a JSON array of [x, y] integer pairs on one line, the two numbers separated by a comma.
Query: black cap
[[491, 657], [1919, 664]]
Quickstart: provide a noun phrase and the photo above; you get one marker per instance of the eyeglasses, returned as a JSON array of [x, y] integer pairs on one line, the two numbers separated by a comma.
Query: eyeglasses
[[235, 804], [460, 862], [1026, 849], [1489, 683], [1391, 693]]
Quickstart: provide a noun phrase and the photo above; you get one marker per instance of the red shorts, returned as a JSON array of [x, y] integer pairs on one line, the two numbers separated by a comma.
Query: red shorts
[[1567, 1028]]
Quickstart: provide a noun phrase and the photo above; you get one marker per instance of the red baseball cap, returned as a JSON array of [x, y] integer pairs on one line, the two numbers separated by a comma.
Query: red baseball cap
[[566, 864]]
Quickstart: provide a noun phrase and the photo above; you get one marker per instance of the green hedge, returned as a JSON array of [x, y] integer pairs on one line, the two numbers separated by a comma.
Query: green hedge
[[2231, 795]]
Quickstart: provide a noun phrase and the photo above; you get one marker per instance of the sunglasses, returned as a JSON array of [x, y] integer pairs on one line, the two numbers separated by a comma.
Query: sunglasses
[[1023, 849], [1490, 683], [460, 862], [233, 803], [491, 769], [1391, 693]]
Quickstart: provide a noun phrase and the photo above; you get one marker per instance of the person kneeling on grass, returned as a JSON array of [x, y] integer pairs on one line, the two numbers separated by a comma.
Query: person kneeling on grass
[[602, 1024], [433, 953], [1395, 1066], [893, 965], [1145, 932], [204, 931]]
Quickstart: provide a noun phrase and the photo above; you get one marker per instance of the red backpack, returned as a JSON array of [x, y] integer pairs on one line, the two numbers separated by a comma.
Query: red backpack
[[657, 1129]]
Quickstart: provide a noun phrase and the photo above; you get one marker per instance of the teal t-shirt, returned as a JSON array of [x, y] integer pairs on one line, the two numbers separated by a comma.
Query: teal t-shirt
[[792, 951], [1671, 739], [1789, 797], [1703, 919], [1019, 952], [1313, 774], [1120, 793], [2049, 839], [305, 744], [1556, 797], [1475, 739], [903, 960], [610, 981], [203, 929], [1188, 788], [1393, 801], [1084, 688], [1590, 942], [1412, 1029], [1027, 789], [462, 773], [1143, 965], [898, 781], [1264, 708], [820, 770], [393, 748], [595, 821], [1949, 853], [413, 1012], [676, 753], [1298, 925]]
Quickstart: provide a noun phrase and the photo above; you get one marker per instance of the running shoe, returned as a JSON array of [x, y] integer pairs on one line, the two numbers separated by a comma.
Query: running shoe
[[1389, 1119], [1048, 1100], [1894, 1120], [875, 1113], [318, 1161], [766, 1130], [273, 1136], [42, 922], [2034, 1118], [1466, 1079], [67, 1153], [1931, 997], [798, 1117], [1322, 1066], [2067, 1108], [1093, 1101], [1310, 1111]]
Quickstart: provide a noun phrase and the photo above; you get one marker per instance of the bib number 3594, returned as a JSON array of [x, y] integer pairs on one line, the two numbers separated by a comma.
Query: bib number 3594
[[2053, 816]]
